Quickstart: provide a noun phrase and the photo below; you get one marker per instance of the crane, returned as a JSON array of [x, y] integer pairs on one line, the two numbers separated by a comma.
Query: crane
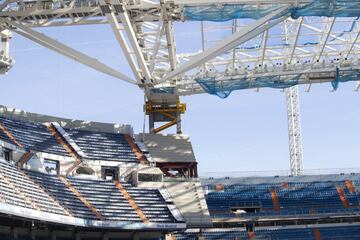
[[273, 44]]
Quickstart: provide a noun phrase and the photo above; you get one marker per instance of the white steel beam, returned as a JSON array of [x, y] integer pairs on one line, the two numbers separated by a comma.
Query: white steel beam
[[357, 87], [330, 27], [120, 37], [125, 19], [293, 104], [354, 40], [234, 40], [124, 33], [157, 43], [61, 48], [234, 29], [171, 44], [295, 43], [263, 47]]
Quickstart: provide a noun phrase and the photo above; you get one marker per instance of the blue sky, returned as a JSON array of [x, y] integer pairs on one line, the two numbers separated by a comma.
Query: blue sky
[[245, 132]]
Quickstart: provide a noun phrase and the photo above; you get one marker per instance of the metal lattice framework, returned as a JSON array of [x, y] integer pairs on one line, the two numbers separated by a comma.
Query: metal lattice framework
[[272, 44], [263, 43]]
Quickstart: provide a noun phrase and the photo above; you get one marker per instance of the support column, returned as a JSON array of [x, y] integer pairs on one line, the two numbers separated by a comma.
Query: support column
[[178, 123], [151, 123]]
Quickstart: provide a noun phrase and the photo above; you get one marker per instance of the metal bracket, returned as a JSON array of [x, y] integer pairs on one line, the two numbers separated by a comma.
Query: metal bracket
[[164, 113]]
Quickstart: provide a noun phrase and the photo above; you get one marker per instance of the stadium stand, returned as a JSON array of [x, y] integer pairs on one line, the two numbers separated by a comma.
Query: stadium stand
[[56, 188], [19, 190], [40, 138], [81, 202], [148, 186], [306, 207], [281, 198], [52, 194], [103, 146], [337, 232], [31, 136], [107, 198]]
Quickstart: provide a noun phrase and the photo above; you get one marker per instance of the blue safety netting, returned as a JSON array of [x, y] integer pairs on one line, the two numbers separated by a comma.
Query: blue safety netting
[[223, 89], [345, 76], [226, 12], [329, 8]]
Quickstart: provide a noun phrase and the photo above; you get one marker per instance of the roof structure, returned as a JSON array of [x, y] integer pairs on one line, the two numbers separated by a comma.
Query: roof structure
[[264, 43]]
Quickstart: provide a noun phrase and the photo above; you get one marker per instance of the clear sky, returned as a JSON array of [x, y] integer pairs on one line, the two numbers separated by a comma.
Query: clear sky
[[245, 132]]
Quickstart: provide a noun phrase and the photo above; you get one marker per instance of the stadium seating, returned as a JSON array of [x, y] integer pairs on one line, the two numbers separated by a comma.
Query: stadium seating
[[32, 136], [95, 145], [293, 198], [301, 233], [19, 190], [103, 146], [59, 191], [109, 201], [48, 193]]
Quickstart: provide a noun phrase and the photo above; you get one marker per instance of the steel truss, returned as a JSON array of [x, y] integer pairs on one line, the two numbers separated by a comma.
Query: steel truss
[[294, 130], [144, 30], [279, 43]]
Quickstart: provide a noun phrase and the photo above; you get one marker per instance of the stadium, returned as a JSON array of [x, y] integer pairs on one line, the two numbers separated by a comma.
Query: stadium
[[78, 177]]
